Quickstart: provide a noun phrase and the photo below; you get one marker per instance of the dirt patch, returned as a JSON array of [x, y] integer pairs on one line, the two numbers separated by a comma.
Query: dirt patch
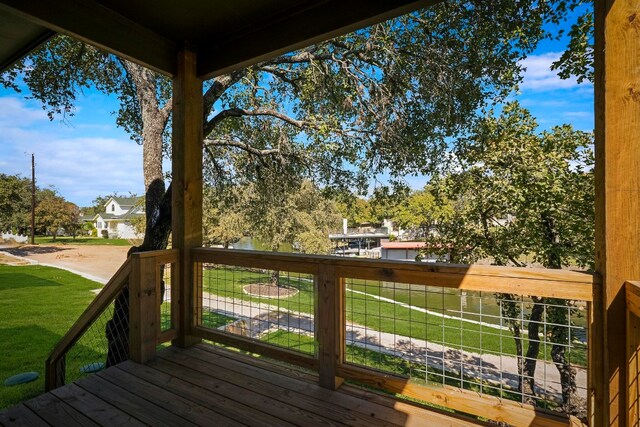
[[99, 261], [267, 290], [6, 259]]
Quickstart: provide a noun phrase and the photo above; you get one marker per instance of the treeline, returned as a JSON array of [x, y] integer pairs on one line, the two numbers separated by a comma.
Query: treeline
[[53, 212]]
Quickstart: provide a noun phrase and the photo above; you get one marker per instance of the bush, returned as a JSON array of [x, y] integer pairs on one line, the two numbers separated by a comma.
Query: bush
[[104, 233]]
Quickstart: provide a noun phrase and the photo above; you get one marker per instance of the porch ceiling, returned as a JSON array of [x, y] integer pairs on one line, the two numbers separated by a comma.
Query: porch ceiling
[[226, 34]]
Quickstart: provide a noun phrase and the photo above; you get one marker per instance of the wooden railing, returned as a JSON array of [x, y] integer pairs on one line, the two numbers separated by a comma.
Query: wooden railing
[[55, 366], [143, 273], [329, 276], [633, 352]]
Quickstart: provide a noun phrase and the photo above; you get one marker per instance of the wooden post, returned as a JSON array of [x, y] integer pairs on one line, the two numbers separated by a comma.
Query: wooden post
[[330, 325], [144, 317], [617, 133], [186, 212]]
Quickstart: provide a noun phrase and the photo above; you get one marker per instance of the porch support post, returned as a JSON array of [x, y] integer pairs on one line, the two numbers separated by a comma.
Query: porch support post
[[187, 186], [617, 144]]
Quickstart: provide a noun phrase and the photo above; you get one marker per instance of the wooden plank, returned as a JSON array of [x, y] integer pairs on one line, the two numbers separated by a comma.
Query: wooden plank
[[144, 311], [176, 274], [383, 407], [633, 297], [330, 321], [204, 375], [166, 336], [97, 306], [186, 213], [526, 285], [162, 256], [94, 407], [95, 24], [229, 410], [498, 410], [617, 181], [277, 392], [122, 398], [523, 281], [20, 415], [56, 412], [186, 409], [259, 347]]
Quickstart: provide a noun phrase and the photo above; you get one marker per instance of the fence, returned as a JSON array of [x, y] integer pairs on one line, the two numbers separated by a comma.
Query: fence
[[501, 343]]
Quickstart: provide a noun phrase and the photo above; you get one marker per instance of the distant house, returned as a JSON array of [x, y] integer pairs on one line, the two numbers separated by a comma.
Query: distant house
[[115, 222], [408, 251]]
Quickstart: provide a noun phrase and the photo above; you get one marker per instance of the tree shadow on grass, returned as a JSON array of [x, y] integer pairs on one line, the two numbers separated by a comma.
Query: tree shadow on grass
[[11, 280]]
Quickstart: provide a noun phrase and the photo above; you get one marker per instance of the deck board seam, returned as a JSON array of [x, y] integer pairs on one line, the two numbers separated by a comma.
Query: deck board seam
[[363, 416]]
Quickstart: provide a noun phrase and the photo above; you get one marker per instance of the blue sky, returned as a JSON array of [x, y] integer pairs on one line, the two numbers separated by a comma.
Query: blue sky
[[86, 155]]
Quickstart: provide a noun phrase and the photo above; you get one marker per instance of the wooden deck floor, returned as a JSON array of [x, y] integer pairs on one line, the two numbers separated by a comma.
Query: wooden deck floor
[[207, 386]]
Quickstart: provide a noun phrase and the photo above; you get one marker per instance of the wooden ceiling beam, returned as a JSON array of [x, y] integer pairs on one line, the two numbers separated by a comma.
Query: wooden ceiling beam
[[331, 18], [97, 25]]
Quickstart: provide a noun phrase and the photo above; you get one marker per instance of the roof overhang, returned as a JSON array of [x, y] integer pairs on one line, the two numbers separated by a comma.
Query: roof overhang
[[226, 35]]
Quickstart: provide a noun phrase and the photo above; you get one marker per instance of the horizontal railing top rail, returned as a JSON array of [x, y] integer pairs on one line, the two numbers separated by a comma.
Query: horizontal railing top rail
[[632, 289], [565, 284]]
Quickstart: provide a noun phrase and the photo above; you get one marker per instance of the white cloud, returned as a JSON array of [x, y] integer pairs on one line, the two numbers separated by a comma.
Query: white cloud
[[78, 162], [14, 112], [539, 76]]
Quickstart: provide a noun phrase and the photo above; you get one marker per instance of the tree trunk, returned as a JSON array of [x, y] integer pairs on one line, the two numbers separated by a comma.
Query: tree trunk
[[558, 315], [157, 203], [275, 278], [567, 381], [158, 228], [510, 310], [533, 350]]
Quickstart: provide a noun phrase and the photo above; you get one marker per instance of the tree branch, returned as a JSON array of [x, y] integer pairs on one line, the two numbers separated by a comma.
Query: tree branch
[[241, 145], [240, 112]]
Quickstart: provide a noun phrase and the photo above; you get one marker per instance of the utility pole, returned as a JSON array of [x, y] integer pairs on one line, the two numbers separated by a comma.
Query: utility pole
[[33, 200]]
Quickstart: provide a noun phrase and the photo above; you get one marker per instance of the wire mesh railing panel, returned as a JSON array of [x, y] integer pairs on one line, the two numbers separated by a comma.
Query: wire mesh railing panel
[[166, 276], [276, 307], [525, 349], [104, 343]]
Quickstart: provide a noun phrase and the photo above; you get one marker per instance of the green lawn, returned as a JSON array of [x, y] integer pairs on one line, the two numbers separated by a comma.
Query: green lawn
[[64, 240], [37, 306], [382, 316]]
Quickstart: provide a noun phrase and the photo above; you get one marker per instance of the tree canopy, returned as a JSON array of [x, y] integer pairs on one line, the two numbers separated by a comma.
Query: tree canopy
[[381, 99]]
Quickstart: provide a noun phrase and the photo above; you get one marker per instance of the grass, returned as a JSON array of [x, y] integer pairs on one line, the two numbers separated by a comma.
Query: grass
[[37, 306], [65, 240], [383, 316]]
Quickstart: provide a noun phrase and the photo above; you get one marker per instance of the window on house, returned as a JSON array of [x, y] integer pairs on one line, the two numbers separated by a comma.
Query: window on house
[[113, 208]]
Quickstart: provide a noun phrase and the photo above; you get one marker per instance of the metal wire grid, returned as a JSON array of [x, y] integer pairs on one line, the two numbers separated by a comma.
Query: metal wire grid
[[166, 321], [93, 352], [248, 302], [469, 340]]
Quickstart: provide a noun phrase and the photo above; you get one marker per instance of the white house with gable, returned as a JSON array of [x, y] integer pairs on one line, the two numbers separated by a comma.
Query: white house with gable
[[115, 221]]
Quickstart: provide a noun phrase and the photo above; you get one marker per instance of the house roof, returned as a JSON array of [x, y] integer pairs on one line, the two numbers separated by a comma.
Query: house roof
[[227, 35], [133, 212], [403, 245], [125, 201]]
